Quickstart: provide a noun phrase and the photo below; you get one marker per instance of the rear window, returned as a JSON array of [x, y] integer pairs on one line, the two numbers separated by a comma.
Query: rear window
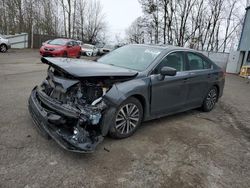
[[197, 62]]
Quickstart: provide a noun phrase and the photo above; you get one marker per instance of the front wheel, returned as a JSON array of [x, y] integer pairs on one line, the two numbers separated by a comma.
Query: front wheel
[[127, 118], [3, 48], [210, 99]]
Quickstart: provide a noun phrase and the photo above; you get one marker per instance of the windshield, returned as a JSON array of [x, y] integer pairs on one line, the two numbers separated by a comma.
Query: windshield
[[58, 42], [1, 36], [131, 57]]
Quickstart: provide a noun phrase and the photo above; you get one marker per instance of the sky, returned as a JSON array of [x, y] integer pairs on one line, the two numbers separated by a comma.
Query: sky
[[119, 15]]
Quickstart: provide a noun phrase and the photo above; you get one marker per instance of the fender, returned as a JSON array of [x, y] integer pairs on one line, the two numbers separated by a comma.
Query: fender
[[119, 93]]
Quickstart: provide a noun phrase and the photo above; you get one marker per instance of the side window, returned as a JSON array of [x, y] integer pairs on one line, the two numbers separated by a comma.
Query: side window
[[196, 62], [174, 60], [76, 43], [70, 43]]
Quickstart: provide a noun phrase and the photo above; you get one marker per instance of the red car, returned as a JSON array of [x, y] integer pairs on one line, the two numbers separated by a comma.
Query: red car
[[61, 48]]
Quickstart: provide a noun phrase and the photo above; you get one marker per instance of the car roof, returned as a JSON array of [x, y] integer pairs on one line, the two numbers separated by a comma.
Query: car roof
[[64, 39], [165, 47], [87, 44]]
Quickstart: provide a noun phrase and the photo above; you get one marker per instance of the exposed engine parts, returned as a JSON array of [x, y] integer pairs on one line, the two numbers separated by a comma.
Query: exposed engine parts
[[84, 96], [75, 107]]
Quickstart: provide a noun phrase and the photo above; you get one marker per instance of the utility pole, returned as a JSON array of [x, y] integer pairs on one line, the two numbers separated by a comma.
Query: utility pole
[[32, 36]]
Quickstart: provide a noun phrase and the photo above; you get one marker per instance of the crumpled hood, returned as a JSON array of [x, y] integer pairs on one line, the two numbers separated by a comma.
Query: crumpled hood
[[87, 68]]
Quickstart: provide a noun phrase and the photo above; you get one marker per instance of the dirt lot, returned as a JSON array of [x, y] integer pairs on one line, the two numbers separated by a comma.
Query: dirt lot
[[191, 149]]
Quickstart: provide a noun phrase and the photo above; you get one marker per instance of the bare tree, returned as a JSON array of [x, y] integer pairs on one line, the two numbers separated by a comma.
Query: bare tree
[[151, 9], [199, 24], [135, 32], [94, 21], [81, 16], [64, 17], [228, 21]]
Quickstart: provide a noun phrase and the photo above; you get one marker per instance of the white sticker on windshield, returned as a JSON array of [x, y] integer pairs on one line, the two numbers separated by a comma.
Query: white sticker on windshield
[[152, 52]]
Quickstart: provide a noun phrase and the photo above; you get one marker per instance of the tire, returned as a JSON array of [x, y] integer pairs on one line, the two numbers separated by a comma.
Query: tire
[[89, 54], [94, 54], [3, 48], [65, 54], [127, 119], [210, 99], [79, 55]]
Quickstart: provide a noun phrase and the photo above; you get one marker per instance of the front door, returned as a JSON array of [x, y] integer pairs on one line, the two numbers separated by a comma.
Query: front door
[[169, 95], [70, 50]]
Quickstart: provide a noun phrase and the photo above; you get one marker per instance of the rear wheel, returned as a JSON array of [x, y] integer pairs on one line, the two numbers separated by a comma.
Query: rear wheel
[[210, 99], [127, 118], [3, 48], [79, 55]]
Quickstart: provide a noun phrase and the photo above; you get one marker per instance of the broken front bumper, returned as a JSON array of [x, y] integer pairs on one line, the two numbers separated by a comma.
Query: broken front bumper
[[43, 119]]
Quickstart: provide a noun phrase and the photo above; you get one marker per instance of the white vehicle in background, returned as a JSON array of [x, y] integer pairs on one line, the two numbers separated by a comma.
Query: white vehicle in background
[[79, 42], [89, 50], [106, 49], [4, 44]]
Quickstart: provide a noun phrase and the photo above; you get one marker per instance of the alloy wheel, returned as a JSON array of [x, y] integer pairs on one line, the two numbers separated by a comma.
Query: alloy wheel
[[127, 118], [89, 54], [211, 98], [3, 48]]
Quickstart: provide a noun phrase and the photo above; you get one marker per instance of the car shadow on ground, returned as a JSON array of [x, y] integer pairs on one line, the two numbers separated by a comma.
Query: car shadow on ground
[[107, 144]]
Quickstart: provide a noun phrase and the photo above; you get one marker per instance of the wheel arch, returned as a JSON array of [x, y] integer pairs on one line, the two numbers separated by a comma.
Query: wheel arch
[[107, 116], [141, 99], [218, 90], [4, 45]]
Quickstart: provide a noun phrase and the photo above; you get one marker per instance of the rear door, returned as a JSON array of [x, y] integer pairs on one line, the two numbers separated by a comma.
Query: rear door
[[169, 95], [200, 73]]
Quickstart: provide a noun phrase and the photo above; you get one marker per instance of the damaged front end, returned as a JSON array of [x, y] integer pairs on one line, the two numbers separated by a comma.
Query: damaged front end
[[70, 110]]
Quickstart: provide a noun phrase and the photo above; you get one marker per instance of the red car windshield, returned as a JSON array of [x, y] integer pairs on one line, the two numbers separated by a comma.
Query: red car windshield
[[58, 42]]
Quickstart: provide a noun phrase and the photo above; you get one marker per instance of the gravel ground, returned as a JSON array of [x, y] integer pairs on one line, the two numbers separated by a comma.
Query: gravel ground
[[191, 149]]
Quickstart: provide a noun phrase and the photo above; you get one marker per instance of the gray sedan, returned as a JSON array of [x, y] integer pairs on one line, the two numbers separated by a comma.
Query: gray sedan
[[82, 101]]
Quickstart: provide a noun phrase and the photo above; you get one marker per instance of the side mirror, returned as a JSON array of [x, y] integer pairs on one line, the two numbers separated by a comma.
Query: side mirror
[[167, 71]]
